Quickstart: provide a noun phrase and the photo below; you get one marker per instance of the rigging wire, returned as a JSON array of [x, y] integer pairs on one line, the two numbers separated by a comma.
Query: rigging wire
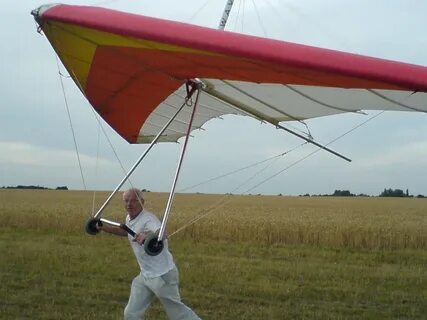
[[96, 168], [317, 26], [113, 149], [224, 175], [103, 130], [100, 126], [236, 21], [263, 169], [243, 15], [71, 123], [198, 11], [259, 19], [227, 198], [317, 150]]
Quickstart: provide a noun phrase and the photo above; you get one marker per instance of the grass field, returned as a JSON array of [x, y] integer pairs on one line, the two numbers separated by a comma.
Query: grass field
[[255, 257]]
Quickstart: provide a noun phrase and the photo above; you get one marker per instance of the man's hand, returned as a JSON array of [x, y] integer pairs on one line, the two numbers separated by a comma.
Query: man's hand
[[99, 225], [140, 238]]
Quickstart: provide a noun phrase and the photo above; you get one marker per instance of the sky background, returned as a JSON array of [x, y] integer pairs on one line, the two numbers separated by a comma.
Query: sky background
[[390, 151]]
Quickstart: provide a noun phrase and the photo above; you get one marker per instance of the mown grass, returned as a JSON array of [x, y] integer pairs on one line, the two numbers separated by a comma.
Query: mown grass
[[255, 258]]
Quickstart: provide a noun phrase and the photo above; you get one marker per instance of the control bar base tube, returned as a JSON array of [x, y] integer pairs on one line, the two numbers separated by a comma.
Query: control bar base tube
[[119, 225]]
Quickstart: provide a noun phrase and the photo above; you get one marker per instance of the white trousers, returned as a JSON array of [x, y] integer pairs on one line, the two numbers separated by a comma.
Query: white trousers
[[165, 288]]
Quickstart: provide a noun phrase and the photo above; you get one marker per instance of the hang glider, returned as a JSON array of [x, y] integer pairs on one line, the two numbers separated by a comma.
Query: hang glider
[[141, 73], [133, 70]]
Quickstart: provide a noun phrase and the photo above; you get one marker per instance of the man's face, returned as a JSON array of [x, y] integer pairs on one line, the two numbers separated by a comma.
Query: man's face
[[132, 205]]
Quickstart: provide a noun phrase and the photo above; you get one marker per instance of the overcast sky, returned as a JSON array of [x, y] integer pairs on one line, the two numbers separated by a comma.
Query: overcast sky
[[36, 142]]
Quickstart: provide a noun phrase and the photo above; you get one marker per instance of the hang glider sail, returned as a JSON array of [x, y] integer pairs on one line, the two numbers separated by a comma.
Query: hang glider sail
[[133, 70]]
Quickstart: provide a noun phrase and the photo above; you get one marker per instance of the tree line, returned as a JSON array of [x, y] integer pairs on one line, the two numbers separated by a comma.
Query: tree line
[[386, 193], [31, 187], [337, 193]]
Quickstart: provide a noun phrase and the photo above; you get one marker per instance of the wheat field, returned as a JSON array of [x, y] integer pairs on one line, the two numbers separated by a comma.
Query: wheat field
[[371, 222], [249, 257]]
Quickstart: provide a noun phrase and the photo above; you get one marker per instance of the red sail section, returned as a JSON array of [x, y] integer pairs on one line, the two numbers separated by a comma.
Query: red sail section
[[125, 92], [278, 53]]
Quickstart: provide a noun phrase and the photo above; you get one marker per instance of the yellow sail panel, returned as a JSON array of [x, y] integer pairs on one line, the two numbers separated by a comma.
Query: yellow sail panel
[[76, 46]]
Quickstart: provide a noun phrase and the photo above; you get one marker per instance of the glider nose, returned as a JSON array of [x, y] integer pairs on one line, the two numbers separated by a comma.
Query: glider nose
[[37, 13]]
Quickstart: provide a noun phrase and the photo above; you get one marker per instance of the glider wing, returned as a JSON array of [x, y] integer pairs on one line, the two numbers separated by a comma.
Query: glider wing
[[133, 71]]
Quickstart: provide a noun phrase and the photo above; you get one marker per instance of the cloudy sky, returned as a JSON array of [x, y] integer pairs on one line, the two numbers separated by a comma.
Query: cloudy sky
[[36, 141]]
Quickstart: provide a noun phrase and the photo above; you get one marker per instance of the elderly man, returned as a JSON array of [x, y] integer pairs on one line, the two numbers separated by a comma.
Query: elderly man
[[159, 275]]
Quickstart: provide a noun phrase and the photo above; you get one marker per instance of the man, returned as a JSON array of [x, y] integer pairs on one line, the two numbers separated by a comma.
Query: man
[[159, 275]]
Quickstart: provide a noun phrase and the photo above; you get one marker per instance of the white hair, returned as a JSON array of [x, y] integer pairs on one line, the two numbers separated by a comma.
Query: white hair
[[137, 192]]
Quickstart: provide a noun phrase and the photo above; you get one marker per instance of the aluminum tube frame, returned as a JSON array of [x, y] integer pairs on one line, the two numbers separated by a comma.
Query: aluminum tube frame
[[225, 14], [178, 169], [140, 159], [111, 223], [119, 225]]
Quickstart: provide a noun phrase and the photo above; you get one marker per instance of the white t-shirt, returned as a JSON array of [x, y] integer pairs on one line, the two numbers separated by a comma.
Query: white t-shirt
[[151, 266]]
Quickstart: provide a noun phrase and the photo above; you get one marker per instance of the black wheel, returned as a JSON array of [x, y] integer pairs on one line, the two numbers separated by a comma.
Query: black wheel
[[152, 246], [91, 226]]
